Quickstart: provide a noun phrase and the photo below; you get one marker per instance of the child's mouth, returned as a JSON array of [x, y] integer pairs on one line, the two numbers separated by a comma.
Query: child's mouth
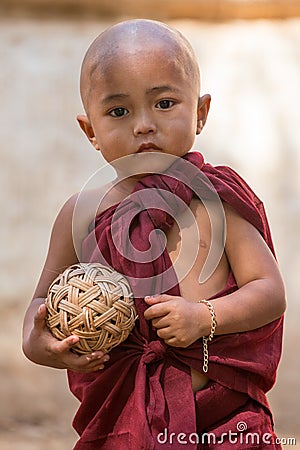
[[149, 147]]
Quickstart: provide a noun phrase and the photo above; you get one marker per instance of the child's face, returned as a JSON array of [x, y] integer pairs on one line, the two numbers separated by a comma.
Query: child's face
[[143, 101]]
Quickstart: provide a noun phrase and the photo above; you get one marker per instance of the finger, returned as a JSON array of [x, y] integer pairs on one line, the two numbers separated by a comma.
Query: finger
[[99, 357], [160, 298], [65, 345], [161, 322], [156, 311], [97, 364], [165, 333], [87, 363], [88, 369], [91, 359], [172, 342]]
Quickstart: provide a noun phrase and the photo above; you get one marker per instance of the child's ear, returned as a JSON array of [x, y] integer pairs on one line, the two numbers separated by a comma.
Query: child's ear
[[202, 111], [87, 128]]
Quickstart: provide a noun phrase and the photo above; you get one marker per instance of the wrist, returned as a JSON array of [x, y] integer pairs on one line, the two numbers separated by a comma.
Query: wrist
[[208, 337], [204, 319]]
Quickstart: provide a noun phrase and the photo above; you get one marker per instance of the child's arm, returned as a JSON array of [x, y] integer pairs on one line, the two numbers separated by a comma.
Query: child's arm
[[38, 343], [259, 300]]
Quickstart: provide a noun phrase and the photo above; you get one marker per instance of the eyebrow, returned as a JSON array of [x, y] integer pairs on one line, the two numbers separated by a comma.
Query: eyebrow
[[161, 89], [113, 97]]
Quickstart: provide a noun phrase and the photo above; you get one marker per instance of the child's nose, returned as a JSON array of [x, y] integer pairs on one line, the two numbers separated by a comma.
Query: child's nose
[[144, 124]]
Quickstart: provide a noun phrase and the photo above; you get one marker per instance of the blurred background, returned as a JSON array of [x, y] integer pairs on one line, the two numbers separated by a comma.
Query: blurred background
[[249, 55]]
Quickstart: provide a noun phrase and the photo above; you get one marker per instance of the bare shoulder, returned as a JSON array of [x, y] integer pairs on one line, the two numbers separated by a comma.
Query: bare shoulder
[[69, 229], [240, 234], [79, 212], [84, 208], [238, 228], [249, 256]]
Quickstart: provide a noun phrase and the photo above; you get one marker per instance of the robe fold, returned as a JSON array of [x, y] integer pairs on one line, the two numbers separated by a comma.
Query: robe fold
[[143, 399]]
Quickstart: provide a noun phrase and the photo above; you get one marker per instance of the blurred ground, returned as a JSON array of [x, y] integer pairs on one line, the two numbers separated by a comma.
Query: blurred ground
[[251, 69]]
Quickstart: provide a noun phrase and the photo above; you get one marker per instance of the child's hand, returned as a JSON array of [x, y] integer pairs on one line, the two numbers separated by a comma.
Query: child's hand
[[45, 349], [178, 321]]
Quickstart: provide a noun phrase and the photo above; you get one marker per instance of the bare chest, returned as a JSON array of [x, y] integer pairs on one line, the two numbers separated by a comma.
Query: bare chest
[[191, 243], [196, 249]]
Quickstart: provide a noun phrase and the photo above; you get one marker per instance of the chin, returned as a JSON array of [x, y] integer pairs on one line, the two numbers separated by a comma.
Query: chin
[[144, 163]]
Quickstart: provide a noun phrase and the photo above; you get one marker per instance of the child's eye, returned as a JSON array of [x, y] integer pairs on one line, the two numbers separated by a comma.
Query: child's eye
[[118, 112], [165, 104]]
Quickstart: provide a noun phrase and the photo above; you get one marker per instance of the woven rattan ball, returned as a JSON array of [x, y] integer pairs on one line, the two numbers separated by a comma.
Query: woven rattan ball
[[93, 302]]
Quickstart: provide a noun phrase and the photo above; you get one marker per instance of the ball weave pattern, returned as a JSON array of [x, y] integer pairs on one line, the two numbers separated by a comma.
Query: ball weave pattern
[[93, 302]]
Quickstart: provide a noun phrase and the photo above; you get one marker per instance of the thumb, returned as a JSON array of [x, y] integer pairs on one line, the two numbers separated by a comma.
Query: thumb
[[40, 317]]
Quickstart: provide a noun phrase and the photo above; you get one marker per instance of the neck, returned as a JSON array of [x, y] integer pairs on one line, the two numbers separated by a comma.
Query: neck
[[125, 185]]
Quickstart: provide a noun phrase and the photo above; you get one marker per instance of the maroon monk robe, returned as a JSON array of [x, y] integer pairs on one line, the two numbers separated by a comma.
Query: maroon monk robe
[[144, 394]]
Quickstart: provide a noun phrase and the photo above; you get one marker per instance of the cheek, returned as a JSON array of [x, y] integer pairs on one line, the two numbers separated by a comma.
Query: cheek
[[110, 138], [113, 144], [185, 130]]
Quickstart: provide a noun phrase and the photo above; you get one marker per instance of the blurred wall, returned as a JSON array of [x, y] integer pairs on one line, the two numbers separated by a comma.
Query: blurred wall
[[252, 71], [166, 9]]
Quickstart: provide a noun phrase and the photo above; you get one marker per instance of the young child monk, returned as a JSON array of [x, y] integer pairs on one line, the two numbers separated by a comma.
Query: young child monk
[[162, 388]]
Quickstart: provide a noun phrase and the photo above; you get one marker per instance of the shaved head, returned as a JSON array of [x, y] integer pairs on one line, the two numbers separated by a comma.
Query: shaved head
[[131, 37]]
